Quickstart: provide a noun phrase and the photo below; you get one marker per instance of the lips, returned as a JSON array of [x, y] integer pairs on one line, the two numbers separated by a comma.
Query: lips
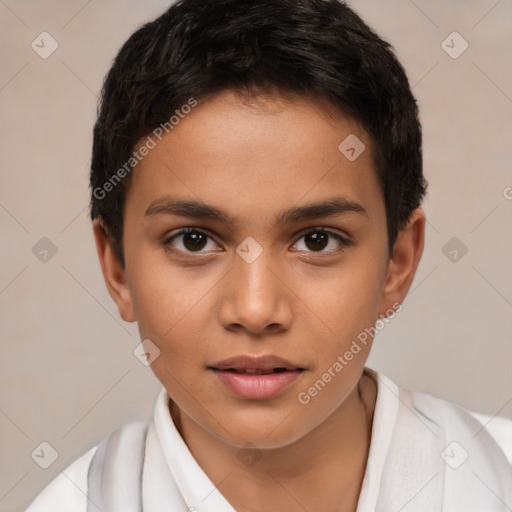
[[256, 378], [255, 371], [256, 365]]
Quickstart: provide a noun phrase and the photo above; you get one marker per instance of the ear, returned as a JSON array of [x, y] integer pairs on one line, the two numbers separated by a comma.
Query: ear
[[404, 262], [113, 273]]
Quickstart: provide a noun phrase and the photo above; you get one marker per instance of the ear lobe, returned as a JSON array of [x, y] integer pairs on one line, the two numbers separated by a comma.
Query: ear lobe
[[404, 262], [113, 273]]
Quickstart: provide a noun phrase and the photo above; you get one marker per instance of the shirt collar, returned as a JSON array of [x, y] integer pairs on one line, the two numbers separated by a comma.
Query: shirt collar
[[384, 420], [199, 491]]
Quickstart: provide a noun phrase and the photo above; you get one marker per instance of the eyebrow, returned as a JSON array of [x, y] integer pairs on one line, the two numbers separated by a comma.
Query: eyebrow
[[198, 210]]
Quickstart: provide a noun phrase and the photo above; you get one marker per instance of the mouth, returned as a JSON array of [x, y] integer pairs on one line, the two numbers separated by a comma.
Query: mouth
[[256, 365], [258, 371], [256, 378]]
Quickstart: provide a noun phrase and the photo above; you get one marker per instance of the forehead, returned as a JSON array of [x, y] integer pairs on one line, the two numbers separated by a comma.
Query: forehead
[[252, 156]]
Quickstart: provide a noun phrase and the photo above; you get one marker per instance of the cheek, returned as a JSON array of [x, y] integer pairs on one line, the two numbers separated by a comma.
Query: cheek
[[170, 306], [171, 314], [347, 304], [345, 301]]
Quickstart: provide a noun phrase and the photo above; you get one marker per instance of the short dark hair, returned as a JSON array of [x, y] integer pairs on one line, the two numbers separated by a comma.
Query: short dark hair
[[318, 49]]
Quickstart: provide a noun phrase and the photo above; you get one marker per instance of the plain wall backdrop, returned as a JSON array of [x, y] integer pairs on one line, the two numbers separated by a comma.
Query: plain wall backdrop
[[68, 373]]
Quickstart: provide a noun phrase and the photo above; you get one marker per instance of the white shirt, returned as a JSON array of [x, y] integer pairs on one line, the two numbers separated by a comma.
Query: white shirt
[[425, 454]]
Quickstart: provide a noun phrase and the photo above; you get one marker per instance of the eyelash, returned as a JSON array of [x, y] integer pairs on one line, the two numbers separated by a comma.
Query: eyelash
[[344, 242]]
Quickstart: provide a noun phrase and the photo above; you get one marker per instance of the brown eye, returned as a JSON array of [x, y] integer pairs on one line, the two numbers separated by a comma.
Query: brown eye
[[190, 240], [194, 241], [318, 239]]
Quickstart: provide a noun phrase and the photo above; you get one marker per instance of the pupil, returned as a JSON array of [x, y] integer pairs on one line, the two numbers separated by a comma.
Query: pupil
[[318, 239], [193, 240]]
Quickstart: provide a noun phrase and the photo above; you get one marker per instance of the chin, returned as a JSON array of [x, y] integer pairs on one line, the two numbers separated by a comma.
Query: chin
[[267, 430]]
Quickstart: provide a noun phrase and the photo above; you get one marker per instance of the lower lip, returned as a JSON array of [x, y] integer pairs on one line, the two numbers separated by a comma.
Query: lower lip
[[257, 387]]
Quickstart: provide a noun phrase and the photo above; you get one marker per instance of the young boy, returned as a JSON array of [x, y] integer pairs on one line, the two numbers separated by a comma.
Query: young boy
[[256, 185]]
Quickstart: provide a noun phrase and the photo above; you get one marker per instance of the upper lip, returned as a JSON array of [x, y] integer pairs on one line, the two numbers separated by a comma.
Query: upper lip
[[263, 363]]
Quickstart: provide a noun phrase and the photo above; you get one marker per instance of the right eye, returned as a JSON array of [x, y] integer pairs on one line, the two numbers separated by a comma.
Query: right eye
[[189, 240]]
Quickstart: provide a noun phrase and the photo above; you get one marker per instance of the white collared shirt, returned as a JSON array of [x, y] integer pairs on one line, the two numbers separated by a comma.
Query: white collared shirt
[[395, 474]]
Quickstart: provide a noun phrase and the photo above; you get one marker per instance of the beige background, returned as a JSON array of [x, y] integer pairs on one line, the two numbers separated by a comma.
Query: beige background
[[68, 374]]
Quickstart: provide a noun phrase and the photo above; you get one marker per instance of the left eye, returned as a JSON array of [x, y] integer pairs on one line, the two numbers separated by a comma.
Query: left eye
[[318, 239]]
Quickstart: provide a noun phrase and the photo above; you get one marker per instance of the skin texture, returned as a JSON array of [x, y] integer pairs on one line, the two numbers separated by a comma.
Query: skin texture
[[298, 301]]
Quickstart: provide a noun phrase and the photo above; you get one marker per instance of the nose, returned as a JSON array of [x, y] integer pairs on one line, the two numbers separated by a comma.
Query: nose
[[255, 297]]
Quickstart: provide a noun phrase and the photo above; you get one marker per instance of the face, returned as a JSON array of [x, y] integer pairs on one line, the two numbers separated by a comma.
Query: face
[[249, 236]]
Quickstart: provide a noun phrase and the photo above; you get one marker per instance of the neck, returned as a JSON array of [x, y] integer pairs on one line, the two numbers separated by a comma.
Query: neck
[[321, 471]]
